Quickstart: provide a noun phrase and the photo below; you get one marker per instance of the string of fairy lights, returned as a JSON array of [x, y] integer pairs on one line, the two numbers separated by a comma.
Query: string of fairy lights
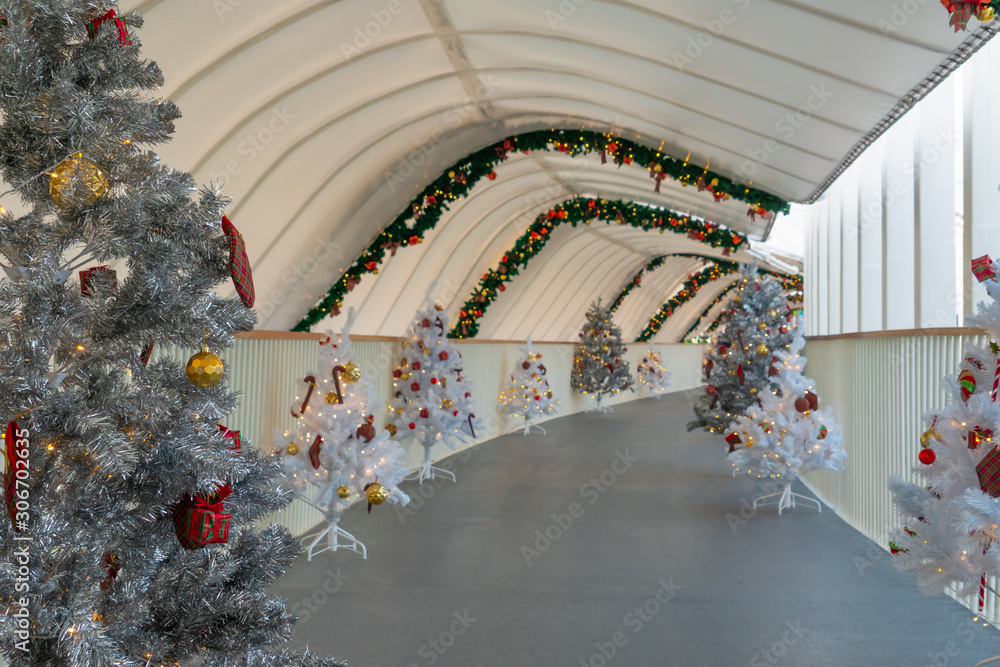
[[425, 210]]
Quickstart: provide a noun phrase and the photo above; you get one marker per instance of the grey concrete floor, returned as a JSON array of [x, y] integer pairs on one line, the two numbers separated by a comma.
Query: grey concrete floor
[[611, 542]]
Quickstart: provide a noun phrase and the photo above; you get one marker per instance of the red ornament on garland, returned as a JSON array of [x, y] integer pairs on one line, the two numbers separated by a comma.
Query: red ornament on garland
[[927, 456]]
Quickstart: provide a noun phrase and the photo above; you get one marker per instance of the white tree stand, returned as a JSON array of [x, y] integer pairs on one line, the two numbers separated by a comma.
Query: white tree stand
[[428, 471], [336, 537], [528, 424], [600, 408], [786, 499]]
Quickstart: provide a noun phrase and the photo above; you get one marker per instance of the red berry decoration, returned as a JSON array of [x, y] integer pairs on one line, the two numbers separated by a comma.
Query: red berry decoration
[[927, 456]]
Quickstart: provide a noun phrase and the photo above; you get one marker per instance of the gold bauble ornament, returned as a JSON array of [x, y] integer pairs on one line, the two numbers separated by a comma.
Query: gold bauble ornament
[[737, 298], [447, 403], [753, 390], [605, 348], [986, 14], [763, 350], [77, 181], [761, 326], [292, 449], [351, 372], [343, 492], [774, 312], [399, 411], [404, 376], [331, 398], [204, 369], [376, 493]]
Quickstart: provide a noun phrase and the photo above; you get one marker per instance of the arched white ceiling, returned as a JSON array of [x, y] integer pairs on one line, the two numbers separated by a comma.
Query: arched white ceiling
[[323, 118]]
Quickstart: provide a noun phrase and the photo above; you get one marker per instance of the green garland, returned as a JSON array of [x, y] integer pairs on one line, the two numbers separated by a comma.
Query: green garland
[[425, 210], [718, 321], [653, 264], [687, 292], [704, 313], [580, 210]]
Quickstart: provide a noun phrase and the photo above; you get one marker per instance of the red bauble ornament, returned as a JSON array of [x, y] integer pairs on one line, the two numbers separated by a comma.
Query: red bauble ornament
[[455, 413], [802, 405], [526, 365], [538, 398], [434, 380], [443, 356], [492, 175], [467, 394], [366, 432], [415, 386], [412, 425], [927, 456]]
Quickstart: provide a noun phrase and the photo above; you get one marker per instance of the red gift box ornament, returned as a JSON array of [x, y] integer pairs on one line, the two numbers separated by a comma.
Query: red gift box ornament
[[982, 269], [95, 278], [147, 353], [989, 473], [733, 439], [199, 522], [15, 459], [95, 24], [239, 264]]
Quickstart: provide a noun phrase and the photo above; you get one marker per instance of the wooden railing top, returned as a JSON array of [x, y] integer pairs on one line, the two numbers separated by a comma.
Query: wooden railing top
[[903, 333]]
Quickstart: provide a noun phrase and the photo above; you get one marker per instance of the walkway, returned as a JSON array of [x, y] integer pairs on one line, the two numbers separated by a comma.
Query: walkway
[[610, 537]]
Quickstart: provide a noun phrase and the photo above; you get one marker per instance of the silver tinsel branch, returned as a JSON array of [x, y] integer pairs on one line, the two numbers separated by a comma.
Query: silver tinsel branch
[[115, 445]]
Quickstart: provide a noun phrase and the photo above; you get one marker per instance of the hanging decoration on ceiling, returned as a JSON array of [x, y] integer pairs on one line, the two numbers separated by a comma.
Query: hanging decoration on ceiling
[[581, 210], [636, 281], [688, 290], [701, 318], [426, 209], [962, 12]]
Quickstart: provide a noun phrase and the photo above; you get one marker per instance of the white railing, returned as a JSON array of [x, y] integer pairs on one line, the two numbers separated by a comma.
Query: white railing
[[879, 385]]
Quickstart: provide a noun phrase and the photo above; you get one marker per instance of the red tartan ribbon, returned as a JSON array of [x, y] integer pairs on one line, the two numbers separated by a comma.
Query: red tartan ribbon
[[92, 277], [95, 24], [239, 264], [988, 471]]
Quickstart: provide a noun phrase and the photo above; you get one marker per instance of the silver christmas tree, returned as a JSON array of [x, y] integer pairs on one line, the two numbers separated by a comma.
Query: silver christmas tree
[[131, 538], [741, 360], [598, 366]]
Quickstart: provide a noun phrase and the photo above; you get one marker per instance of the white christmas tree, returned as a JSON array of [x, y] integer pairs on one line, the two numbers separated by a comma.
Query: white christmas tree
[[950, 537], [784, 434], [527, 394], [336, 456], [432, 401], [653, 374]]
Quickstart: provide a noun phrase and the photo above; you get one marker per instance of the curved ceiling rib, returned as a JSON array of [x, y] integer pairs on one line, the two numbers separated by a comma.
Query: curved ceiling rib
[[785, 113]]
